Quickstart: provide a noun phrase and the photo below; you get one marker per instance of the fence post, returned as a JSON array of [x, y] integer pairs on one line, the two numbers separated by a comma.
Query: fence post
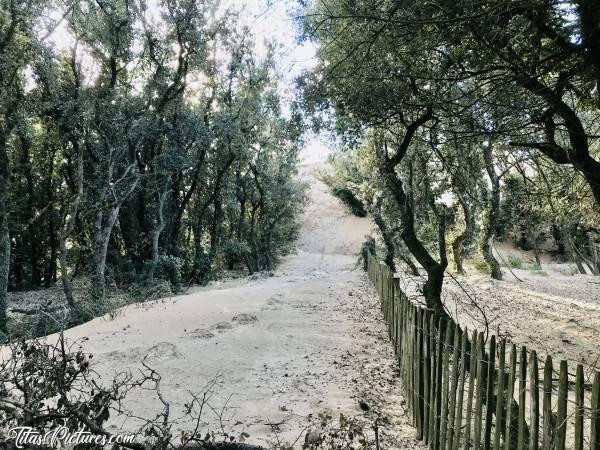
[[512, 368], [579, 396], [534, 402], [438, 382], [561, 414], [426, 373], [479, 393], [453, 388], [521, 439], [418, 372], [433, 377], [489, 396], [461, 391], [547, 405], [472, 377], [500, 394], [595, 414], [446, 383]]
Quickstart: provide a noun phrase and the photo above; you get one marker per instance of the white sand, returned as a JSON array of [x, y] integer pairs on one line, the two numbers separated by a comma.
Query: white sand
[[317, 345], [553, 311]]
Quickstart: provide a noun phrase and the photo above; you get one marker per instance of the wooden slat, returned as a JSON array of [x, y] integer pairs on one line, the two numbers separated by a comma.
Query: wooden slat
[[579, 404], [446, 384], [410, 366], [461, 390], [438, 381], [561, 413], [534, 402], [499, 394], [470, 392], [433, 378], [521, 437], [418, 375], [426, 374], [595, 414], [510, 389], [479, 393], [453, 387], [547, 405], [489, 395]]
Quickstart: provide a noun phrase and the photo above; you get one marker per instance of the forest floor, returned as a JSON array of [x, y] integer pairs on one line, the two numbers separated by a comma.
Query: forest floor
[[286, 351], [553, 310]]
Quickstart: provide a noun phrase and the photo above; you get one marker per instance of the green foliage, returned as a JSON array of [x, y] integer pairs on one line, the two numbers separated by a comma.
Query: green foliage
[[350, 200], [170, 268], [236, 249], [367, 248], [174, 143], [505, 121], [536, 269], [515, 262], [481, 266]]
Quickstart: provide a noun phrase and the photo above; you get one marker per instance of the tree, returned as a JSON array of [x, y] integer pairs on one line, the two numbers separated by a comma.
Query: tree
[[140, 130], [17, 47]]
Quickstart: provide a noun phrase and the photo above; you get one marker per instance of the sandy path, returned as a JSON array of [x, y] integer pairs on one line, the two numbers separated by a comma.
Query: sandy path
[[308, 340]]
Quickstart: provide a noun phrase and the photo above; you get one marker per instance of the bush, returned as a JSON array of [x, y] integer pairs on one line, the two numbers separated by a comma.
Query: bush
[[169, 268], [481, 266], [368, 247], [236, 250], [150, 289], [515, 262], [350, 200], [536, 269]]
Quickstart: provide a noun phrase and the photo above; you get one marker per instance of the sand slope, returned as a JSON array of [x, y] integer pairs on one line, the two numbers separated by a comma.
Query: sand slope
[[306, 341]]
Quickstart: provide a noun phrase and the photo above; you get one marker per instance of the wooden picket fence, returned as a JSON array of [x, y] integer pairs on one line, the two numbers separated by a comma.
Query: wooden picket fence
[[458, 388]]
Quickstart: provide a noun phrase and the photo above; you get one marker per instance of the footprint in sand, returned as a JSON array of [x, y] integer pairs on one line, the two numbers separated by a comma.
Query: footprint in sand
[[120, 356], [201, 333], [221, 327], [162, 351], [244, 319], [273, 303]]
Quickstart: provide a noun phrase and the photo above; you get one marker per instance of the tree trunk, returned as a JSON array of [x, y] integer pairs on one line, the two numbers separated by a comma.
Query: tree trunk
[[215, 240], [162, 196], [573, 250], [432, 289], [387, 239], [464, 237], [594, 255], [102, 232], [253, 244], [536, 254], [4, 264], [490, 222], [404, 255], [4, 230], [68, 228]]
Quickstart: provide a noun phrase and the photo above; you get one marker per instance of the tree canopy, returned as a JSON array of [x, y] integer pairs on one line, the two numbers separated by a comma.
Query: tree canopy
[[481, 119], [149, 147]]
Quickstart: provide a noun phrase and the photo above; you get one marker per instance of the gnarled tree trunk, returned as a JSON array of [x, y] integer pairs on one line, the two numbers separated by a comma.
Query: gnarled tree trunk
[[387, 238], [68, 228], [465, 237], [493, 211], [160, 226]]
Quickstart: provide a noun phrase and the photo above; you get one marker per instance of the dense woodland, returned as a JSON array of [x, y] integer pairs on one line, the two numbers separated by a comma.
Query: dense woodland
[[148, 149], [465, 123]]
